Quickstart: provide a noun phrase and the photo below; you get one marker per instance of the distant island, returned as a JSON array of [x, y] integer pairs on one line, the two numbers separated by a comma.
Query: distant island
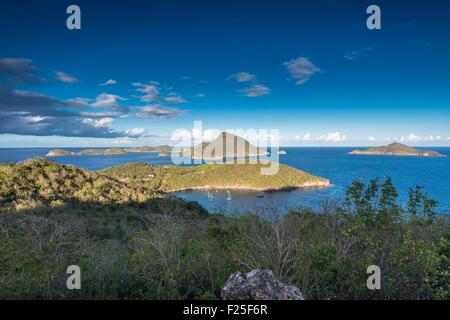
[[162, 150], [214, 176], [398, 149], [218, 148]]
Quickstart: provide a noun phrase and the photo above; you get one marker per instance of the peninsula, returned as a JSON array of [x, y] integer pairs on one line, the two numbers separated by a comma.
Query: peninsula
[[397, 149], [162, 150], [214, 176]]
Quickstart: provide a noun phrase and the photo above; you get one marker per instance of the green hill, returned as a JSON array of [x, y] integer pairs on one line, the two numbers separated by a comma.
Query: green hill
[[41, 182], [226, 145], [214, 176]]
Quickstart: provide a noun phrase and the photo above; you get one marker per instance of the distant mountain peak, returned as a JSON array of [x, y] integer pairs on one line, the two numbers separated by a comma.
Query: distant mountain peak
[[226, 145]]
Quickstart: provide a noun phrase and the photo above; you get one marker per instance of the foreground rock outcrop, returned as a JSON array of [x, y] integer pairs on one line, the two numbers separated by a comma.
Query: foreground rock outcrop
[[258, 285]]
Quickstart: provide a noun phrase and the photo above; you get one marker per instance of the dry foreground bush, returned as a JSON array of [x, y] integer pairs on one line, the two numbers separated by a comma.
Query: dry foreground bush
[[134, 242]]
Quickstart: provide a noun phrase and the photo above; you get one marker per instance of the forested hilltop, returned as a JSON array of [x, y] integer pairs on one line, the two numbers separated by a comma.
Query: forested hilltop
[[132, 242]]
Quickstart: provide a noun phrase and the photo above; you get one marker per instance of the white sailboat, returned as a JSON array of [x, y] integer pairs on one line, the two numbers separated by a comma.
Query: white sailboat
[[229, 196], [210, 197]]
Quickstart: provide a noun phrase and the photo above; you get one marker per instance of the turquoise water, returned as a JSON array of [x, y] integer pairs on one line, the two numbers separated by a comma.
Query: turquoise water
[[331, 163]]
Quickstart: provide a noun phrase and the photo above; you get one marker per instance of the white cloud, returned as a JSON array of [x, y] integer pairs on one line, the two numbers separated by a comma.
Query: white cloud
[[412, 137], [106, 100], [109, 82], [301, 69], [151, 91], [35, 119], [256, 90], [135, 132], [174, 99], [433, 138], [64, 77], [79, 102], [371, 138], [243, 77], [123, 141], [306, 137], [101, 123], [333, 137], [155, 112]]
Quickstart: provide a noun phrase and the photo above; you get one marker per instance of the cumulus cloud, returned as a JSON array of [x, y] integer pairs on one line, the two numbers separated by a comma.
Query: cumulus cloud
[[109, 82], [301, 69], [174, 99], [255, 90], [412, 137], [101, 123], [136, 132], [370, 138], [306, 137], [106, 100], [243, 77], [152, 93], [333, 137], [54, 126], [155, 112], [64, 77], [31, 113]]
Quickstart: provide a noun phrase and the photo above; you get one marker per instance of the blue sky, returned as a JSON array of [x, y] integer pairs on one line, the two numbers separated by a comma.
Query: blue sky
[[308, 68]]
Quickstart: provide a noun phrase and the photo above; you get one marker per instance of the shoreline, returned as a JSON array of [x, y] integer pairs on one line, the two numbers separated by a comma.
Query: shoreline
[[307, 185]]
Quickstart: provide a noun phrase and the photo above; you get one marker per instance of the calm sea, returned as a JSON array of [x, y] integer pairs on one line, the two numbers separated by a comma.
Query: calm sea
[[331, 163]]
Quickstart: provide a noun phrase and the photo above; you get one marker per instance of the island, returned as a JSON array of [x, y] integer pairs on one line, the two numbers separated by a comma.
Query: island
[[162, 150], [397, 149], [226, 145], [222, 176]]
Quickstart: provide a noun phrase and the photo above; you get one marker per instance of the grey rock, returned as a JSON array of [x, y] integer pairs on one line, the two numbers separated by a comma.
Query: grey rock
[[258, 285]]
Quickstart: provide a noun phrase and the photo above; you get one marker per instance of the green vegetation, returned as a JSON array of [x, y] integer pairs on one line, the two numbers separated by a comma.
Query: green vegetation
[[144, 245], [398, 149], [104, 152], [213, 176], [41, 182]]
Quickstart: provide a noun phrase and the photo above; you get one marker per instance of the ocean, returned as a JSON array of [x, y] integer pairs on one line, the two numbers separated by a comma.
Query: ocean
[[331, 163]]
